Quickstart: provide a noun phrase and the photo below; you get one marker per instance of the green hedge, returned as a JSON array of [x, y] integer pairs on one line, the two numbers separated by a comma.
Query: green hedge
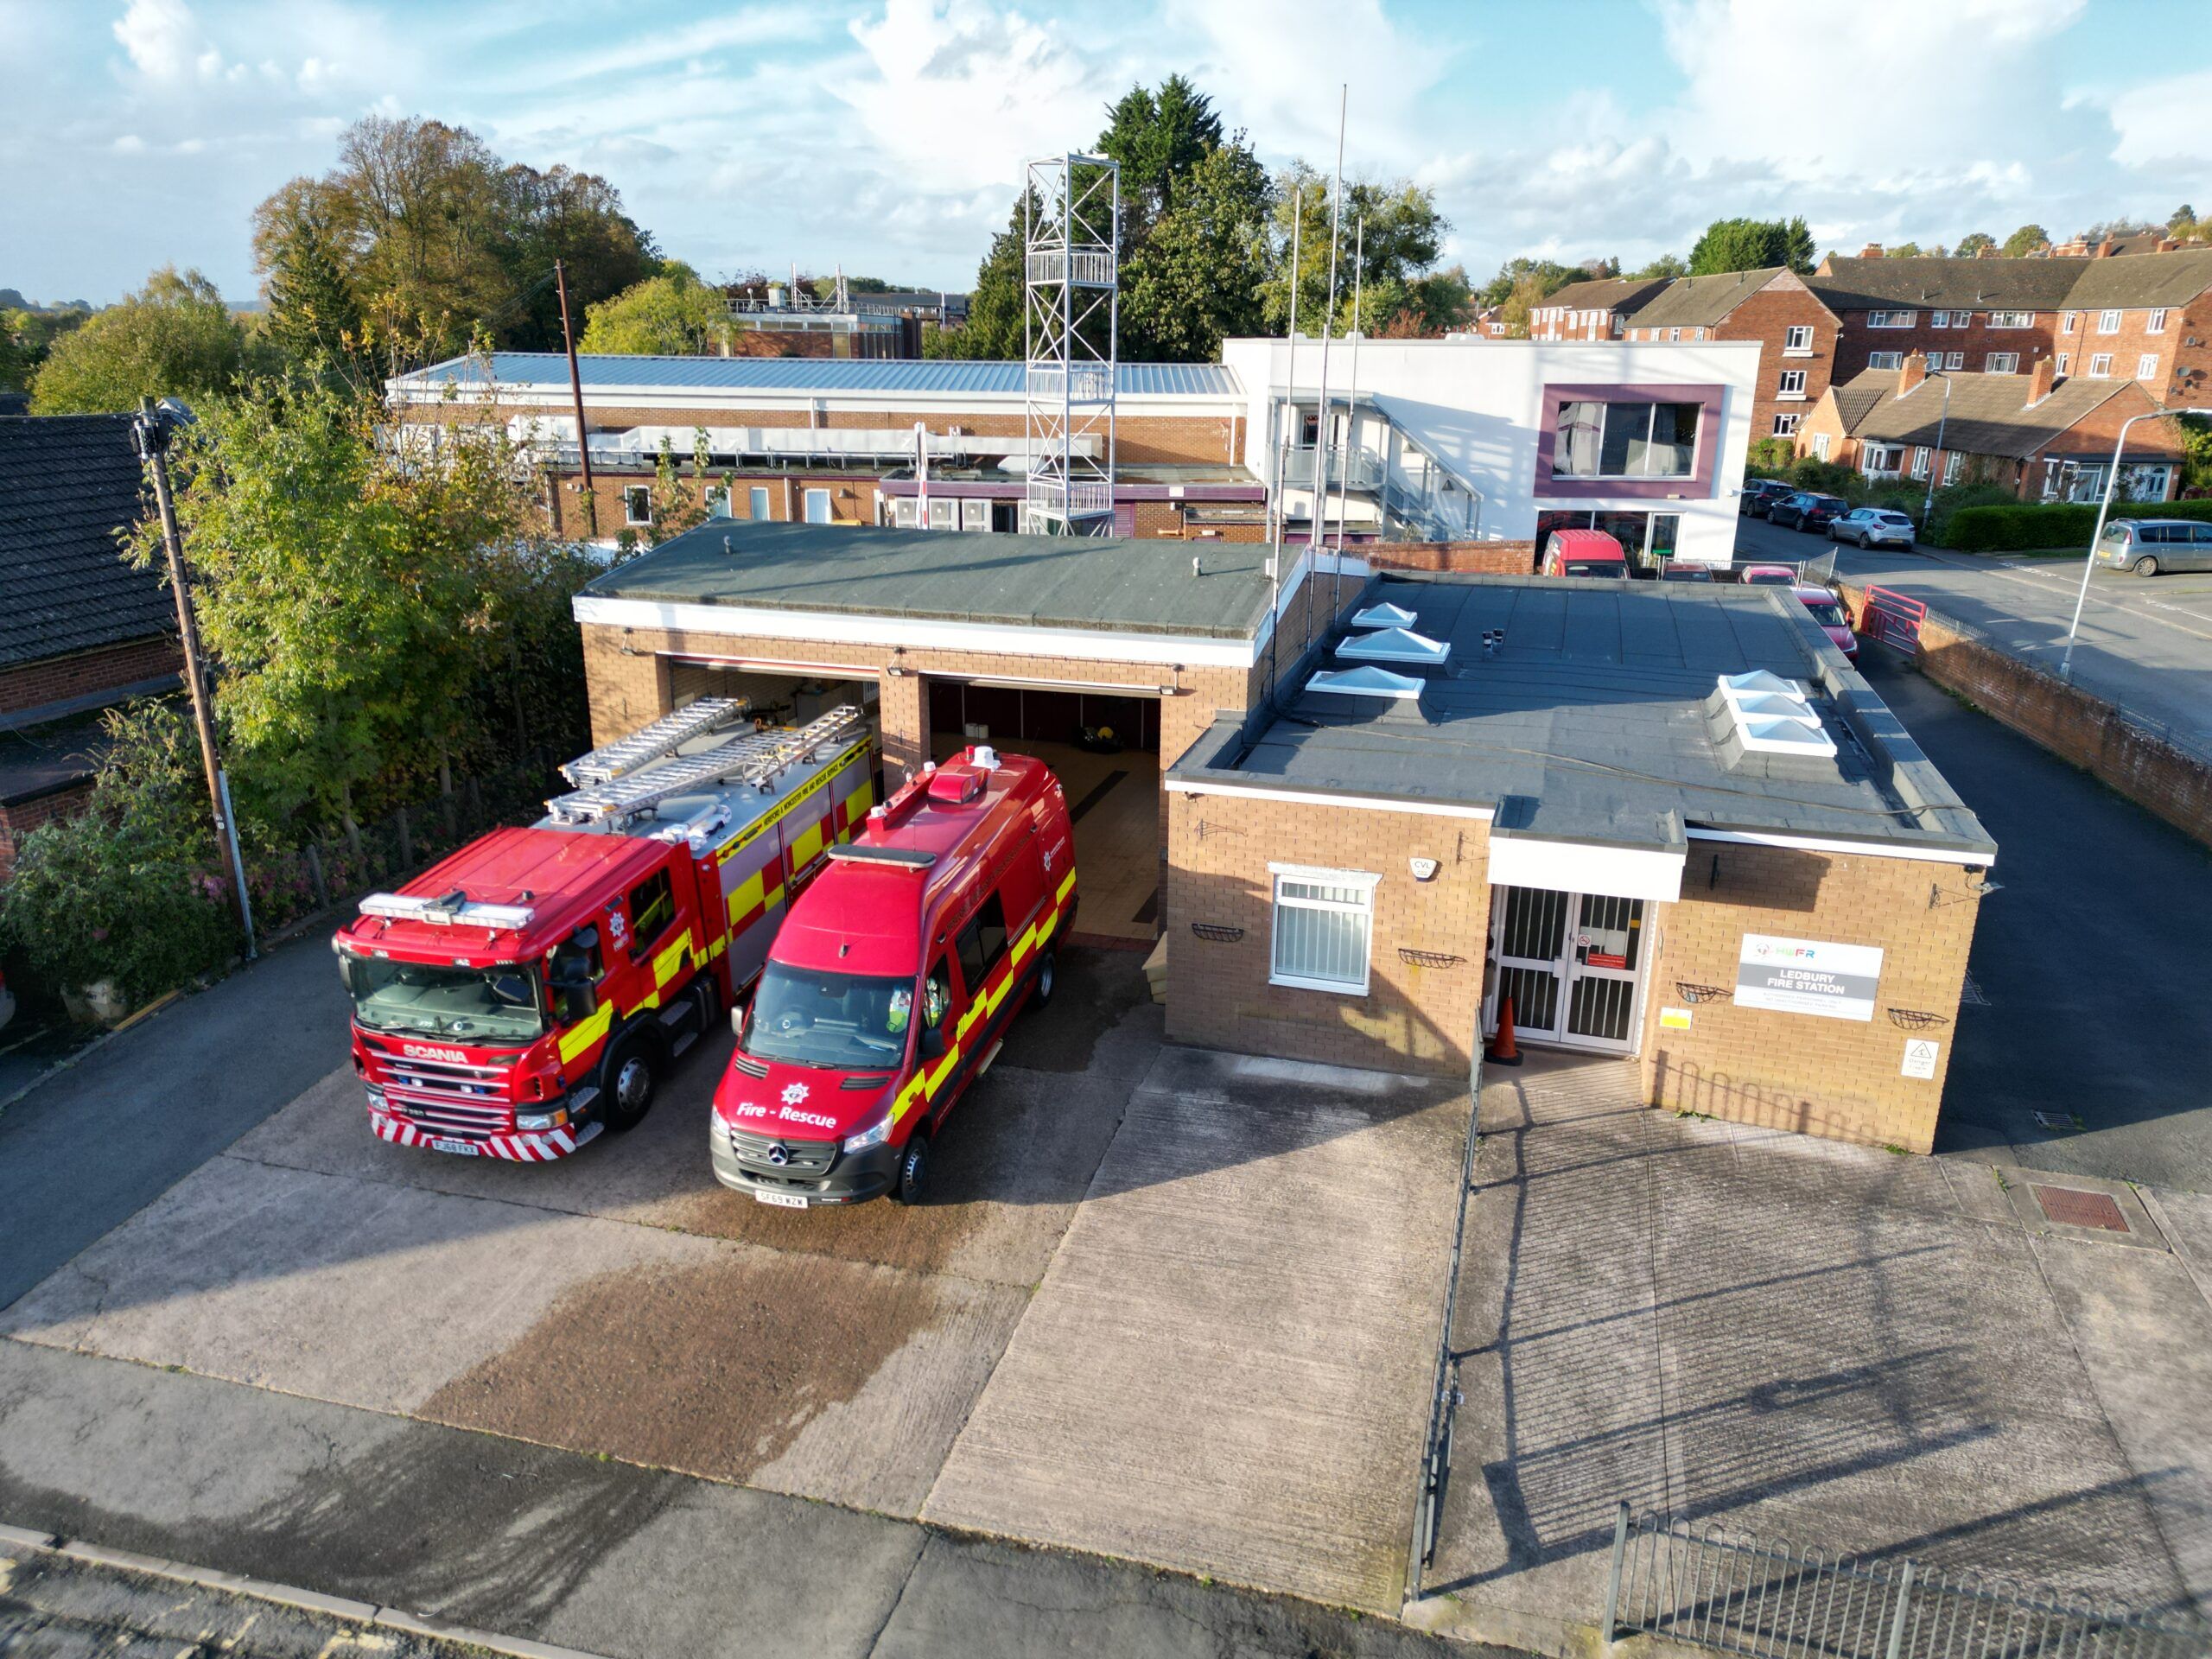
[[1987, 530]]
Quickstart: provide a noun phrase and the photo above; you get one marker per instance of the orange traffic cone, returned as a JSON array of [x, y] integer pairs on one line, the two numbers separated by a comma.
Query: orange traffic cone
[[1503, 1050]]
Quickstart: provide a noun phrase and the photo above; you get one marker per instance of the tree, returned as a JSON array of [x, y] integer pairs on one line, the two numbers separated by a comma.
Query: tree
[[2026, 240], [673, 315], [173, 337], [1157, 138], [1668, 266], [1971, 243], [1904, 251], [1730, 244], [27, 335], [1547, 276], [1197, 276], [1404, 234], [313, 318]]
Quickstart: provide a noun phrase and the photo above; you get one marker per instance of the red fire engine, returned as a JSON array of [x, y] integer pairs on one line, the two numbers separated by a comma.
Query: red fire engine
[[528, 992], [889, 990]]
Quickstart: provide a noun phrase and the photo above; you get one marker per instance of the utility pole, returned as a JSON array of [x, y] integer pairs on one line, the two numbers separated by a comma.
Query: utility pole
[[2097, 534], [151, 432], [576, 399], [1319, 538]]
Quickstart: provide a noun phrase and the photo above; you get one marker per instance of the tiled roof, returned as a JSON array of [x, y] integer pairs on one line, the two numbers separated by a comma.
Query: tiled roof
[[1701, 302], [2142, 279], [1855, 399], [1962, 284], [829, 377], [68, 483], [1620, 294], [1989, 414]]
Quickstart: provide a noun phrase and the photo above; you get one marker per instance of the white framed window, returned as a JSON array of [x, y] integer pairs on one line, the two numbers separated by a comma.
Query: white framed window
[[637, 505], [817, 506], [2156, 323], [2146, 367], [1892, 318], [1323, 927], [1921, 458], [1793, 384], [1820, 446], [718, 502], [1674, 334], [1699, 332], [1949, 360], [2001, 363], [2064, 365], [758, 495], [1796, 339], [1785, 426], [2012, 319], [2069, 321], [1939, 318], [1885, 359], [2100, 366], [1880, 459], [2107, 323], [1953, 464]]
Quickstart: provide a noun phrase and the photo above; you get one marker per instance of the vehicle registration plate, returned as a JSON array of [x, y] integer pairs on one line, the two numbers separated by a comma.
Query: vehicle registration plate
[[781, 1200], [465, 1148]]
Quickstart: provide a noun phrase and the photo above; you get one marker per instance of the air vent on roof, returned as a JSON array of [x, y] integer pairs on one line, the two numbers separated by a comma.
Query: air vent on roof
[[1393, 645], [1770, 715], [1364, 682], [1385, 616]]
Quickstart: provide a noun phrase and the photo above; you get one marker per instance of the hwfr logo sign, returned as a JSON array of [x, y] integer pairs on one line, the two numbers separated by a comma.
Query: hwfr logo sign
[[1836, 982]]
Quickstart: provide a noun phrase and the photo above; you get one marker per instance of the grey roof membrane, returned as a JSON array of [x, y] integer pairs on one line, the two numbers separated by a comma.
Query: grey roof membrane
[[1054, 582], [1589, 724], [602, 372]]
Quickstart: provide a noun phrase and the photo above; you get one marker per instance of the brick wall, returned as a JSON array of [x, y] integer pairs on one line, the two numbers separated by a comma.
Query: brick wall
[[2184, 376], [1478, 558], [19, 818], [1842, 1079], [1767, 317], [1857, 341], [1412, 1018], [2083, 730], [86, 673]]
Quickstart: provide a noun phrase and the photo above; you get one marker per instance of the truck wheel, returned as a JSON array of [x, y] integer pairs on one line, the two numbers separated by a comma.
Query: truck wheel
[[913, 1170], [631, 1073], [1047, 971]]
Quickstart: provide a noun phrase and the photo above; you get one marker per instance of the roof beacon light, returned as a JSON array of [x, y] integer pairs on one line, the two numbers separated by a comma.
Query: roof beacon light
[[454, 909], [983, 758]]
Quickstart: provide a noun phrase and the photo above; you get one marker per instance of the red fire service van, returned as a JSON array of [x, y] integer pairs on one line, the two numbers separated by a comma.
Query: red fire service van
[[527, 993], [890, 987]]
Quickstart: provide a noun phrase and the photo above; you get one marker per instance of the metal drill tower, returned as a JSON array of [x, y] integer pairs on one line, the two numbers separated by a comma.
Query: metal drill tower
[[1071, 320]]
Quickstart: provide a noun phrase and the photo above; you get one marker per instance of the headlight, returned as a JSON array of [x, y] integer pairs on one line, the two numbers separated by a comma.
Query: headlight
[[542, 1120], [870, 1137]]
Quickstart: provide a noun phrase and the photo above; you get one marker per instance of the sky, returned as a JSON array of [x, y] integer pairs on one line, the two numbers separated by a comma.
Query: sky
[[888, 136]]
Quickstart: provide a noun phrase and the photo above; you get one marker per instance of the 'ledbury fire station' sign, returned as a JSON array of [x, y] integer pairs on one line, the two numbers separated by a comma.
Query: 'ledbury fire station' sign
[[1807, 976]]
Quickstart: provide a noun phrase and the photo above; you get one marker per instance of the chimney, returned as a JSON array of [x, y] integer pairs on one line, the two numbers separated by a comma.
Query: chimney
[[2041, 378], [2167, 244], [1989, 252], [1913, 372], [1871, 250], [2105, 249]]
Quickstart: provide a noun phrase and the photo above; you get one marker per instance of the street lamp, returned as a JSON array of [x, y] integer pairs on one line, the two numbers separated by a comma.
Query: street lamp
[[2104, 506], [1928, 501]]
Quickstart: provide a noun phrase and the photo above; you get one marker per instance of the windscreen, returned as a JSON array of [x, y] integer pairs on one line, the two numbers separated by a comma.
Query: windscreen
[[842, 1022], [1827, 613], [1596, 567], [462, 1005]]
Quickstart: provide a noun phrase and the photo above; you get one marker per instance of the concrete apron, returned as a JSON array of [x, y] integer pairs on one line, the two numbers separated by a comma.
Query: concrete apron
[[1851, 1350]]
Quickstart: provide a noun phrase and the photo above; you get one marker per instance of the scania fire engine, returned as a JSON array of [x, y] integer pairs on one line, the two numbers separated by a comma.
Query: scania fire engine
[[528, 992]]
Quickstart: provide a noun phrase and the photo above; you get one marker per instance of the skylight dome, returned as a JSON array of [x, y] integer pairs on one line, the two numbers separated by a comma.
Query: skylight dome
[[1385, 616], [1393, 645], [1364, 682]]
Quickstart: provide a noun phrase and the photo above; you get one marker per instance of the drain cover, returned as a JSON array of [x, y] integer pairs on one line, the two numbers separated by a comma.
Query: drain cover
[[2069, 1206], [2055, 1122]]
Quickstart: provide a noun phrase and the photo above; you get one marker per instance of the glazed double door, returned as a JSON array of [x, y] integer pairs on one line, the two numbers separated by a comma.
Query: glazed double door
[[1573, 964]]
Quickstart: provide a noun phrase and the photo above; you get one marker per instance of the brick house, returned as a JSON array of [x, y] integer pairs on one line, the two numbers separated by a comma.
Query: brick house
[[2145, 318], [2042, 438], [1593, 310], [1774, 306], [81, 631], [832, 441]]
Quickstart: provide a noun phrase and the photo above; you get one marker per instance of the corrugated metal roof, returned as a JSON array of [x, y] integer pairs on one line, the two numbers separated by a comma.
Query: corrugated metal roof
[[829, 377]]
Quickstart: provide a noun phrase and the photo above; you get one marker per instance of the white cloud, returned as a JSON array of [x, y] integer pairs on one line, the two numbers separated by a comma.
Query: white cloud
[[163, 41], [2164, 120], [1282, 66]]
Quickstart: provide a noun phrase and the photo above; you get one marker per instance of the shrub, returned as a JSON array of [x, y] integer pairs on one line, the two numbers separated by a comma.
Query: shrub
[[2068, 523], [1829, 477], [1769, 457]]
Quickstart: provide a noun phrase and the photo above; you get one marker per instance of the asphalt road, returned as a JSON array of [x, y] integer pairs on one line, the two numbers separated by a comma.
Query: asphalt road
[[2145, 644]]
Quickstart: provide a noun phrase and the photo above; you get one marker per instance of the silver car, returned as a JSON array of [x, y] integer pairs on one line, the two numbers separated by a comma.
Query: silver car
[[2147, 546], [1873, 527]]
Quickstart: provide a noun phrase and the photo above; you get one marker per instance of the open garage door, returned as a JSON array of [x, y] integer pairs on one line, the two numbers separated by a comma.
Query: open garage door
[[1105, 745], [783, 695]]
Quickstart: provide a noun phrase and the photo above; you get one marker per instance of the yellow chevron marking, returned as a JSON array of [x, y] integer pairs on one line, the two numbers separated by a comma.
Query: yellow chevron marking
[[586, 1032], [669, 961]]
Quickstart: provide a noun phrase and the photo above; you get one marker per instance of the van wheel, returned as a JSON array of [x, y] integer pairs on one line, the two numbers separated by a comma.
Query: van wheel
[[913, 1170], [2147, 566], [1047, 971], [631, 1073]]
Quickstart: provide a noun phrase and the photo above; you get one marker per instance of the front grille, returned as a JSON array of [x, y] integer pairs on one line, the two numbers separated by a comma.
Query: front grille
[[472, 1122], [751, 1067], [452, 1096], [803, 1159]]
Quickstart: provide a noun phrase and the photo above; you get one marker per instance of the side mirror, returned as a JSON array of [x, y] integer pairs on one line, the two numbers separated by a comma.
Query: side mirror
[[345, 972], [931, 1046], [572, 1003], [738, 1016]]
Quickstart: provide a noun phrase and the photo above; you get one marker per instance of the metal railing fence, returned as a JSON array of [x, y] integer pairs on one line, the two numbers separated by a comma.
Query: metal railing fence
[[1770, 1599]]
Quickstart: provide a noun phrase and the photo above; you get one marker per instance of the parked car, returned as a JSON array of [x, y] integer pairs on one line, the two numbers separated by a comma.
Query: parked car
[[2147, 546], [1678, 571], [1873, 527], [1807, 510], [1829, 614], [1768, 575], [1584, 553], [1759, 494]]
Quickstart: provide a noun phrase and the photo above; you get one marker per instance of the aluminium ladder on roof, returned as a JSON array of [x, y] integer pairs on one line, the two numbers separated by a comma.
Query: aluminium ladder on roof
[[756, 758], [626, 754]]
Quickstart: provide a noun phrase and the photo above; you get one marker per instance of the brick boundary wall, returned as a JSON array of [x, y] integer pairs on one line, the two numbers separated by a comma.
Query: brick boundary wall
[[19, 818], [2081, 729], [1474, 558]]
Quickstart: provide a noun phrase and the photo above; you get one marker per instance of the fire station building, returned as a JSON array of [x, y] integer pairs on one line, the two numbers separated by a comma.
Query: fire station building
[[1663, 821]]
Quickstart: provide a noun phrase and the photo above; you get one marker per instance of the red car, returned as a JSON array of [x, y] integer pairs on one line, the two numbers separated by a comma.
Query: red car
[[893, 983], [1828, 612], [1768, 575]]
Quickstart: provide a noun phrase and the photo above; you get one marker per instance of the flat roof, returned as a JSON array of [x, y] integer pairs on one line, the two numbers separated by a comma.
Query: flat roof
[[604, 372], [1588, 722], [1209, 590]]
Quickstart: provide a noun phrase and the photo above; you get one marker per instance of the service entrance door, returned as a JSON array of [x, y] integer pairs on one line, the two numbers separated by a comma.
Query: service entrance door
[[1573, 964]]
